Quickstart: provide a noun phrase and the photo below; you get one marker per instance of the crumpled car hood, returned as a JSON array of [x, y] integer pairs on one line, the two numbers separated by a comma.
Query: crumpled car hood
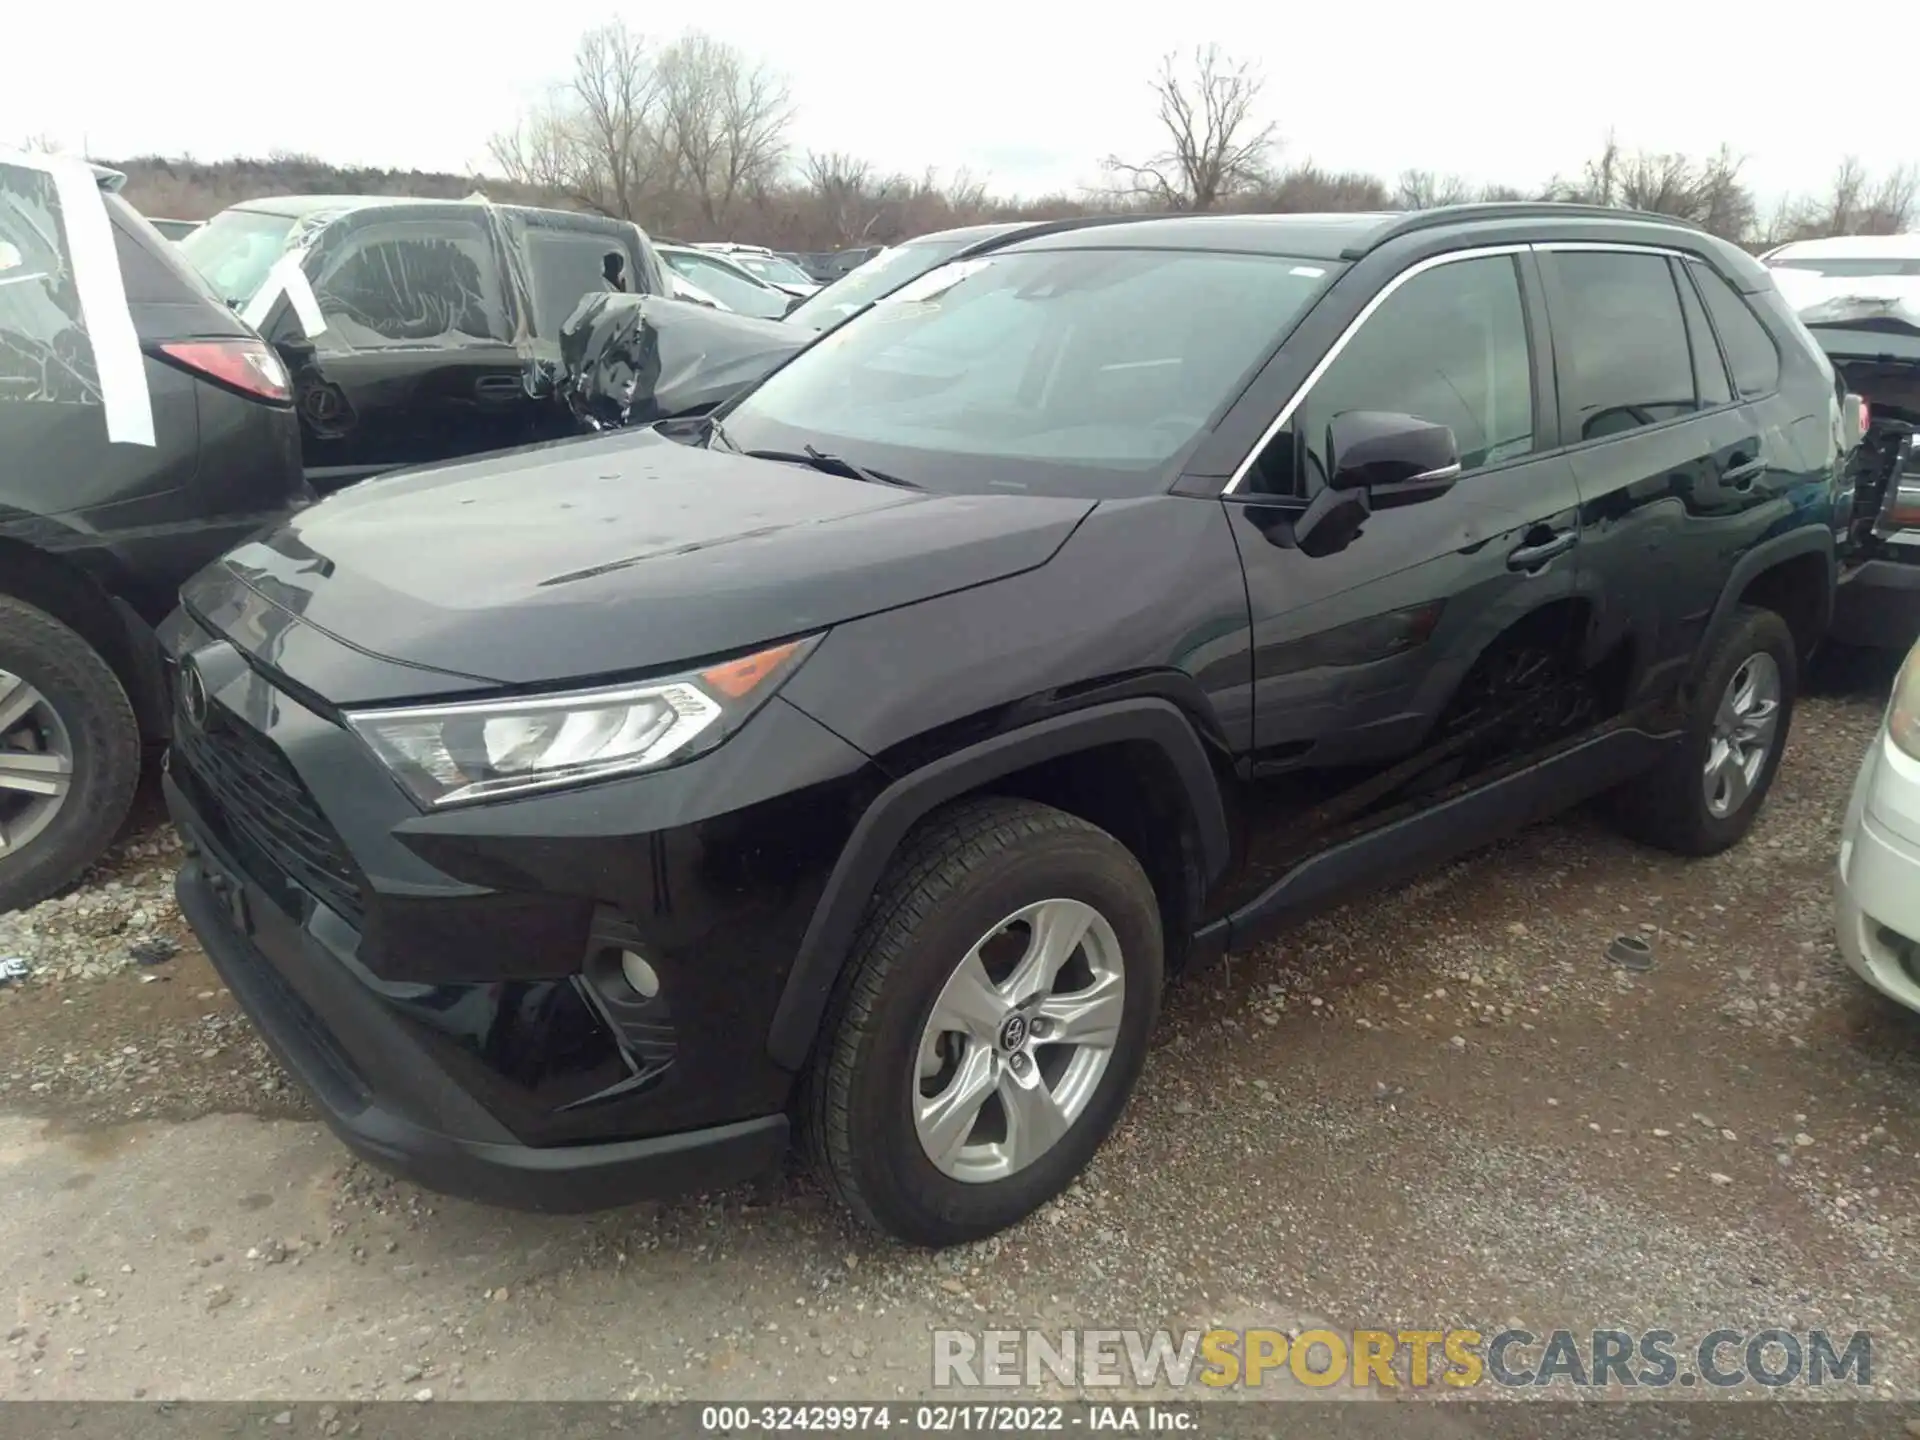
[[605, 557]]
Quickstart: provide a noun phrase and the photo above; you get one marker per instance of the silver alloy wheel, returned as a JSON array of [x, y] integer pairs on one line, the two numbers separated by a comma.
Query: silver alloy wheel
[[1018, 1040], [36, 763], [1744, 728]]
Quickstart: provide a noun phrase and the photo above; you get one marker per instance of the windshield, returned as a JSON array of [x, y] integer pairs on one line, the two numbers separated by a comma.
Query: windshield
[[1072, 372], [866, 283], [235, 249], [1848, 267], [771, 267]]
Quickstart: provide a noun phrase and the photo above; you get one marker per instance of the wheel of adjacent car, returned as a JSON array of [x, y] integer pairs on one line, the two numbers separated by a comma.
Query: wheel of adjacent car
[[990, 1023], [69, 754], [1706, 796]]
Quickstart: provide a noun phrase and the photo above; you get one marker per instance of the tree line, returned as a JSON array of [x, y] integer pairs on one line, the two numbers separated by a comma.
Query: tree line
[[691, 139]]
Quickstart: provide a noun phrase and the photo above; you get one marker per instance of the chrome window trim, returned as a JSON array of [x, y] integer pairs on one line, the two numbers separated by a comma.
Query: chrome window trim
[[1432, 262]]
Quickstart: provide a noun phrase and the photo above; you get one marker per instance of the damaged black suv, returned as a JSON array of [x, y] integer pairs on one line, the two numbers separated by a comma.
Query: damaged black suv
[[861, 759]]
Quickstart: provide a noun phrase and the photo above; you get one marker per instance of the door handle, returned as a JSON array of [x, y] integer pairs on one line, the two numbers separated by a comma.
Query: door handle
[[1535, 556], [1742, 472], [498, 389]]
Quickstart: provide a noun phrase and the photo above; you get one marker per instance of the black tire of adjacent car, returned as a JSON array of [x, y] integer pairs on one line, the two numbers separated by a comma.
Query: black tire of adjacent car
[[1667, 807], [957, 875], [93, 705]]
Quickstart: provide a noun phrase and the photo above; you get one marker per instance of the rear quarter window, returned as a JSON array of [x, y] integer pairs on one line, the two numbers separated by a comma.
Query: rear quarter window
[[1751, 353]]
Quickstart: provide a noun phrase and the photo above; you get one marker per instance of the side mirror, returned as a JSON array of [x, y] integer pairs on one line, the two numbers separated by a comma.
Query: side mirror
[[1395, 459]]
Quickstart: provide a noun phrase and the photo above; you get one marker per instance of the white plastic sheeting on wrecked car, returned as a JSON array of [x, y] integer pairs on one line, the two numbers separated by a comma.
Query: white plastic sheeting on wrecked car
[[1849, 299], [59, 200]]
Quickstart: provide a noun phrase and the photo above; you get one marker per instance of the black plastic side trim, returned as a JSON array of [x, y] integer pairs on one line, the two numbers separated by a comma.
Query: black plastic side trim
[[1804, 540], [899, 807], [1447, 831]]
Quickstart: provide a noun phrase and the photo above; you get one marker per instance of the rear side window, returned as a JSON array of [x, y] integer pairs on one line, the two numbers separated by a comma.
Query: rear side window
[[412, 282], [1620, 342], [1750, 349], [1709, 370]]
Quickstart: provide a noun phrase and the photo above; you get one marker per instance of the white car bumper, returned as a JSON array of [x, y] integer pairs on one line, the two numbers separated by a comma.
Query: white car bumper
[[1877, 902]]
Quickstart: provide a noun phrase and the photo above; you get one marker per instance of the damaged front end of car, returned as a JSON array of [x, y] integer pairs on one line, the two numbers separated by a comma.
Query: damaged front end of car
[[635, 359], [1870, 331]]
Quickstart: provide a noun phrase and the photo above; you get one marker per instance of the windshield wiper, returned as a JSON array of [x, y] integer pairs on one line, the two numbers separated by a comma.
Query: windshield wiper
[[715, 431], [833, 465]]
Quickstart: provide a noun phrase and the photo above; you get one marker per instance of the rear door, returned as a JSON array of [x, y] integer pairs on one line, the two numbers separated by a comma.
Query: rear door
[[1670, 467], [415, 360]]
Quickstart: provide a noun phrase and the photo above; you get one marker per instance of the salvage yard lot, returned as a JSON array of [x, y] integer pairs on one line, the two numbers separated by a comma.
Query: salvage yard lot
[[1440, 1106]]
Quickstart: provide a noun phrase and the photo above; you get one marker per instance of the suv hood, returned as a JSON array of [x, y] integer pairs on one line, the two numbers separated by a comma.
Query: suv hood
[[604, 557]]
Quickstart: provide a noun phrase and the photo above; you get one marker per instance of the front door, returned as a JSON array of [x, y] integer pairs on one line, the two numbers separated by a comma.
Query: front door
[[415, 361], [1375, 666]]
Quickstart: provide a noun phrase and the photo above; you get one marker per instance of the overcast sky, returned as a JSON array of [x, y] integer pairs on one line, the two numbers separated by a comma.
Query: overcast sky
[[1025, 95]]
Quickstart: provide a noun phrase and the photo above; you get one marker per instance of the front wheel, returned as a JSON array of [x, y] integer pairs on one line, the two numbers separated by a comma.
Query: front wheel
[[69, 755], [990, 1025], [1706, 797]]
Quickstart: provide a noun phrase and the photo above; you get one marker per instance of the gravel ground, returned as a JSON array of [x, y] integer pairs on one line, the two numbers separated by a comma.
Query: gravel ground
[[1438, 1107]]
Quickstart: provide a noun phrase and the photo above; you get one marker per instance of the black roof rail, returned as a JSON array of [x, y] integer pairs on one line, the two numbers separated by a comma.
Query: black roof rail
[[1033, 230], [1417, 220]]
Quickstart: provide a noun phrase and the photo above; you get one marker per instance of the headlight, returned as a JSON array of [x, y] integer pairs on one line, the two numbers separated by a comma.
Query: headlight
[[483, 749], [1903, 717]]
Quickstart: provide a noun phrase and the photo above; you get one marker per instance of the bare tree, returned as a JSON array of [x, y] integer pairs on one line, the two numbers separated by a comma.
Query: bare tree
[[1215, 146], [724, 122], [1889, 209], [844, 187], [1424, 190], [1708, 193], [616, 95], [1852, 204], [544, 148]]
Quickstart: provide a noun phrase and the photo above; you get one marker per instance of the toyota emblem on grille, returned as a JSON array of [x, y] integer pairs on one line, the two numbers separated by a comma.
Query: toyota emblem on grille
[[193, 692]]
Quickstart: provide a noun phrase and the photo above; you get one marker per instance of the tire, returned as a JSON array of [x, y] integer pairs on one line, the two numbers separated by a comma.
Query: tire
[[1669, 807], [90, 706], [957, 877]]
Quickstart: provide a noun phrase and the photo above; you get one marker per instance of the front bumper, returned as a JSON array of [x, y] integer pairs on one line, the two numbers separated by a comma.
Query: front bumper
[[485, 1164], [1877, 894], [448, 985], [1877, 605]]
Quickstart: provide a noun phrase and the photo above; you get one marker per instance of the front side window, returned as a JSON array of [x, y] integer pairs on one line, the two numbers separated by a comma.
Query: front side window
[[1448, 346], [1620, 342], [1750, 349], [235, 250], [563, 265], [411, 283], [1074, 371]]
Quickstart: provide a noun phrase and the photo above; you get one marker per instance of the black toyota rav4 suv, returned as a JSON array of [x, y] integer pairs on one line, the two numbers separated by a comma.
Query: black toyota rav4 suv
[[859, 761]]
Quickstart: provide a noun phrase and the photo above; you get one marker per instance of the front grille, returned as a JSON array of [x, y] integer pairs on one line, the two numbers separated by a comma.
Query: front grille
[[260, 799]]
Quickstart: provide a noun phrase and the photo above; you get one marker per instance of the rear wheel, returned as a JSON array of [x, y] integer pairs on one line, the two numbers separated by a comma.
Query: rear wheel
[[991, 1022], [69, 754], [1706, 796]]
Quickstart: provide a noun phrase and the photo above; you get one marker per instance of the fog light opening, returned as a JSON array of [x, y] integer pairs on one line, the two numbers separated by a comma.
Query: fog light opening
[[644, 979]]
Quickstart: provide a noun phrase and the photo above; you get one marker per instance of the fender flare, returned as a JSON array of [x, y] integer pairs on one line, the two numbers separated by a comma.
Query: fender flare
[[895, 811], [1803, 540]]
